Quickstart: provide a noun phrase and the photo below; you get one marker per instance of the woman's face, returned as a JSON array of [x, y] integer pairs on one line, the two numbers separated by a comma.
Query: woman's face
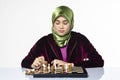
[[61, 26]]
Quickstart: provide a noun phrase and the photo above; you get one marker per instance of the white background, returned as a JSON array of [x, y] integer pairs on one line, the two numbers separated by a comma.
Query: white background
[[23, 22]]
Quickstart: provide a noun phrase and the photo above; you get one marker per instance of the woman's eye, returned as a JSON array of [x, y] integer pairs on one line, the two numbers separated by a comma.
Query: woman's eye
[[65, 23], [57, 22]]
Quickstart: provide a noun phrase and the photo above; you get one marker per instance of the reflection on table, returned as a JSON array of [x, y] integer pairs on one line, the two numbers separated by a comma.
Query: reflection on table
[[93, 74]]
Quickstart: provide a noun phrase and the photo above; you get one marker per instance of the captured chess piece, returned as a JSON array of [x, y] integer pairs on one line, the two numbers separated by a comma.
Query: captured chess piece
[[29, 71]]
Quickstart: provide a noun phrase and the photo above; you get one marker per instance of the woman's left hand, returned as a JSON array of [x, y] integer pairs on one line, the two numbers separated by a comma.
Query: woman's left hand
[[58, 62]]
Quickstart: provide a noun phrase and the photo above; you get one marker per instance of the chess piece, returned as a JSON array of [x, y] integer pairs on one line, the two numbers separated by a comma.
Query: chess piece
[[29, 71], [68, 67], [48, 67], [45, 67]]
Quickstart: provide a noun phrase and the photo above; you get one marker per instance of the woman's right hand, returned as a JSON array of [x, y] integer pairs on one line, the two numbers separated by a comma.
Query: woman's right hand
[[38, 62]]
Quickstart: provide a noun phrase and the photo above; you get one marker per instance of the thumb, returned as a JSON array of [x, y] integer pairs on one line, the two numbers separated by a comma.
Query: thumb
[[41, 58]]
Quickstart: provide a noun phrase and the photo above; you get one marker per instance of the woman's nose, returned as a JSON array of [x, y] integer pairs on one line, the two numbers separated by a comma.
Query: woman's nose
[[61, 26]]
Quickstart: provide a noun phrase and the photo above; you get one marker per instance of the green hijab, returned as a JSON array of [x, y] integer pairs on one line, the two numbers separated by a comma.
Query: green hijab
[[68, 14]]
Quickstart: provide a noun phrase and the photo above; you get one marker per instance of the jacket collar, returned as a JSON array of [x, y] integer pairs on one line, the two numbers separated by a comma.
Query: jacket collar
[[56, 50], [71, 46]]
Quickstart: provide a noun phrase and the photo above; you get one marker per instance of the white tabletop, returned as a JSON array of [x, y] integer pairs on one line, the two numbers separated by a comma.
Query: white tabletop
[[94, 74]]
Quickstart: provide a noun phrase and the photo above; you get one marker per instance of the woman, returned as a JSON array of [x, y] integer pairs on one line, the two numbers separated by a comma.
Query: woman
[[63, 46]]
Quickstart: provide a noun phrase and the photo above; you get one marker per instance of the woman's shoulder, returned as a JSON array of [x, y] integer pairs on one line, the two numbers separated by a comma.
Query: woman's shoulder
[[45, 38], [77, 35]]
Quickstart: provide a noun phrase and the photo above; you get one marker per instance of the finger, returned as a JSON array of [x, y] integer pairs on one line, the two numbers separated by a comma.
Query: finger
[[41, 58], [37, 66], [34, 66], [54, 61], [38, 63]]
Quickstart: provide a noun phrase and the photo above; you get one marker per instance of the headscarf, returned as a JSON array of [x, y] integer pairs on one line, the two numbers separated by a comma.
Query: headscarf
[[68, 14]]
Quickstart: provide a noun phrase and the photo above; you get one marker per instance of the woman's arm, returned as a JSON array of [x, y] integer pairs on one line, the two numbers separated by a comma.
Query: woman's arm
[[35, 52], [93, 59]]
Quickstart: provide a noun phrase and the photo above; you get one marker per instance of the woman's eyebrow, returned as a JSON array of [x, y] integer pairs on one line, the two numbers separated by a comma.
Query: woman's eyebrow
[[57, 20], [65, 21]]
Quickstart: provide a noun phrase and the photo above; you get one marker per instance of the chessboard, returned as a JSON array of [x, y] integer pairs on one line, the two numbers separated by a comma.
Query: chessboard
[[77, 72], [66, 70]]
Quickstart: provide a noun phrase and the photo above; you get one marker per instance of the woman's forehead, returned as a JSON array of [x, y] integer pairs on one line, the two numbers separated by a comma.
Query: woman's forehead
[[61, 18]]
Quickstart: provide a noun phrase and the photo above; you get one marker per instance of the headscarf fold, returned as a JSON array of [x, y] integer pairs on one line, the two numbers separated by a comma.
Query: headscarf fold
[[68, 14]]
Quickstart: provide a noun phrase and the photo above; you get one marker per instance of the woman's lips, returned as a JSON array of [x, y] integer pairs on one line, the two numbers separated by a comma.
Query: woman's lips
[[61, 31]]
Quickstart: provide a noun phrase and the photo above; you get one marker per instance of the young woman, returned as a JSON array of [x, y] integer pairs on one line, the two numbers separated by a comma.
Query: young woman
[[63, 45]]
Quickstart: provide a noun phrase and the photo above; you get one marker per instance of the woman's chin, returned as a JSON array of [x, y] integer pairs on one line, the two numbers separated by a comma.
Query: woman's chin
[[61, 34]]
